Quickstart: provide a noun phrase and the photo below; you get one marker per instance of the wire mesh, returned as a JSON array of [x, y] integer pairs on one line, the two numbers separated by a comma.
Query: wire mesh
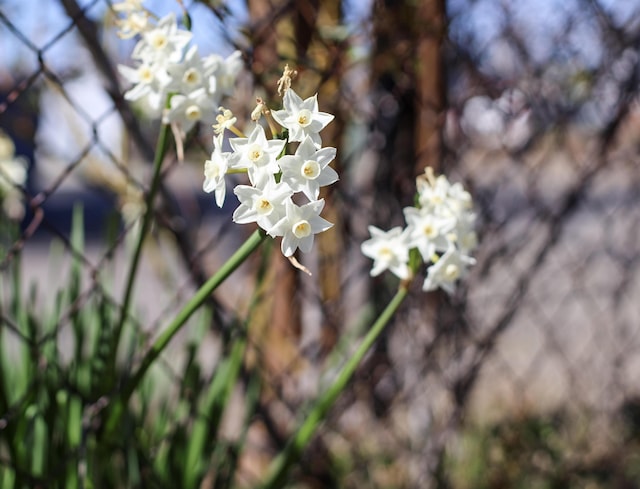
[[546, 324]]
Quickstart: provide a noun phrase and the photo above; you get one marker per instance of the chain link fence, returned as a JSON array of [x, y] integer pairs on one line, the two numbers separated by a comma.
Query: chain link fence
[[527, 375]]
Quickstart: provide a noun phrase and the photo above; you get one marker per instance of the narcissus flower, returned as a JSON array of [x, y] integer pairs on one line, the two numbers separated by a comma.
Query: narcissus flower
[[257, 154], [164, 44], [277, 180], [215, 169], [299, 226], [151, 81], [186, 110], [226, 71], [302, 117], [264, 205], [13, 174], [447, 270], [440, 228], [427, 231], [193, 73], [389, 251], [165, 67], [136, 18], [308, 169]]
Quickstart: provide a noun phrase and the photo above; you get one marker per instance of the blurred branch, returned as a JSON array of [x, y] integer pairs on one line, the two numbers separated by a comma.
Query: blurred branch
[[613, 32], [89, 32]]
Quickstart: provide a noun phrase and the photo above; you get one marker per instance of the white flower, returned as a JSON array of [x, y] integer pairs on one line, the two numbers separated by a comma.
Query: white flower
[[186, 110], [215, 170], [264, 205], [13, 174], [447, 270], [467, 242], [13, 170], [389, 251], [136, 18], [256, 154], [427, 232], [302, 118], [192, 73], [308, 169], [459, 199], [133, 24], [441, 224], [299, 226], [226, 71], [151, 81], [432, 192], [439, 196], [463, 234], [164, 44]]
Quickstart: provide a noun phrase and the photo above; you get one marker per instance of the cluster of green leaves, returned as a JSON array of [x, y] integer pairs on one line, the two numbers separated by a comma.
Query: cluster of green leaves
[[59, 379]]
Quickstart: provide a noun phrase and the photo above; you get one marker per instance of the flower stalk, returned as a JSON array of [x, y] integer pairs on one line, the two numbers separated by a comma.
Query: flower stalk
[[279, 468], [161, 149], [249, 246]]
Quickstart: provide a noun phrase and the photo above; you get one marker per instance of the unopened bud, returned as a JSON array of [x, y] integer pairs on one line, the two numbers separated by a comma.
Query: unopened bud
[[259, 110]]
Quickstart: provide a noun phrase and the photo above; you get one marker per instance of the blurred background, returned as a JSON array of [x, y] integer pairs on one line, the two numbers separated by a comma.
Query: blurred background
[[528, 376]]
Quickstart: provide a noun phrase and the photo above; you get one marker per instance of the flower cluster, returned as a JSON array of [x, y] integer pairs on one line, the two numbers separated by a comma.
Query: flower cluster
[[166, 65], [282, 197], [13, 173], [439, 232]]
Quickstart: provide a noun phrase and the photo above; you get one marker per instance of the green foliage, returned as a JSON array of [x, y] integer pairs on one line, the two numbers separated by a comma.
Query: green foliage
[[57, 386]]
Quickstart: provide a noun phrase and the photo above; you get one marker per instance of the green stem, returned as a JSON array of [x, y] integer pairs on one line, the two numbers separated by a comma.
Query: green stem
[[206, 426], [161, 148], [280, 466], [180, 319]]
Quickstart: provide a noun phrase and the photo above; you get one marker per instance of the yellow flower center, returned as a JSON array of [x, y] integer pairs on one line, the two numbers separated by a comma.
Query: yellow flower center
[[263, 207], [385, 253], [429, 231], [256, 154], [304, 117], [158, 40], [191, 76], [451, 272], [301, 229], [145, 74], [310, 170], [193, 113]]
